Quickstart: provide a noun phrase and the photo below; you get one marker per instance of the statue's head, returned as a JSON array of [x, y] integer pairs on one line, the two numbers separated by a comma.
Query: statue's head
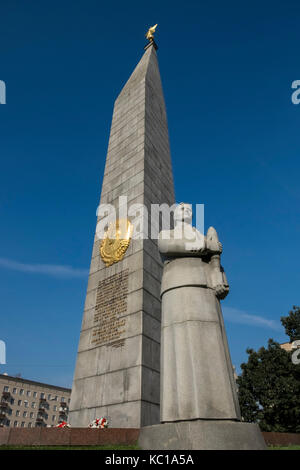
[[183, 213]]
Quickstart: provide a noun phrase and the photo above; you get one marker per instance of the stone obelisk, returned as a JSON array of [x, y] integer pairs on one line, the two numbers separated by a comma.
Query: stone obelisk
[[118, 360]]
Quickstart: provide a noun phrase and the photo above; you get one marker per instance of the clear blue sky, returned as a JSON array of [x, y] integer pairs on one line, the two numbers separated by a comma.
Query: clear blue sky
[[227, 69]]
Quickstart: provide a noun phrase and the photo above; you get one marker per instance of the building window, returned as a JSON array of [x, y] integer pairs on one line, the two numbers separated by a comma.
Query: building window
[[42, 395], [15, 391], [23, 424], [33, 404], [19, 402], [34, 394], [15, 424], [24, 414], [28, 393], [7, 422], [6, 389], [54, 408], [62, 398], [26, 403], [12, 401], [18, 413], [22, 391], [31, 415], [49, 396], [53, 418], [29, 425]]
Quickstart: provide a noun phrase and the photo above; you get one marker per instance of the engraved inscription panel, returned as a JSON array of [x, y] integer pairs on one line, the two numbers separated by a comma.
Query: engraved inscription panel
[[111, 302]]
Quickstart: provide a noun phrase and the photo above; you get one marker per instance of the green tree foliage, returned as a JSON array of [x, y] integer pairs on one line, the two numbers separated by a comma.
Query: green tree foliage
[[291, 323], [269, 386]]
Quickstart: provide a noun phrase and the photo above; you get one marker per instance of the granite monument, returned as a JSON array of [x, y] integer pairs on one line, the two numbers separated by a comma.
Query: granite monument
[[118, 366], [198, 397]]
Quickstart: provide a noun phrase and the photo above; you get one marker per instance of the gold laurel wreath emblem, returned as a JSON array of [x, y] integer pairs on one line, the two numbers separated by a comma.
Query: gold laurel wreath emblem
[[116, 241]]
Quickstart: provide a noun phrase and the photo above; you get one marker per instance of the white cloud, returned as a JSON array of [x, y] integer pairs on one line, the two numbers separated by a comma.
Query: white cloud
[[48, 269], [235, 315]]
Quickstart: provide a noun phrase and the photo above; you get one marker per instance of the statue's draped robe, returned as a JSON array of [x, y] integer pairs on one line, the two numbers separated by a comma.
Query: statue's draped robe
[[196, 372]]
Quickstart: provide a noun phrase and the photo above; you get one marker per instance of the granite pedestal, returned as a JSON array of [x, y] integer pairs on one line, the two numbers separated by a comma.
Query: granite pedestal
[[202, 435]]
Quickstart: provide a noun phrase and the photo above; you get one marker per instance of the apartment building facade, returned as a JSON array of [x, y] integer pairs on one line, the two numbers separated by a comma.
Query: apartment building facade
[[26, 403]]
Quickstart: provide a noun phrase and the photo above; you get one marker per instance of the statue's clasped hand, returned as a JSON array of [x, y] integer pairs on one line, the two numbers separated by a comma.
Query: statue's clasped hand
[[221, 291]]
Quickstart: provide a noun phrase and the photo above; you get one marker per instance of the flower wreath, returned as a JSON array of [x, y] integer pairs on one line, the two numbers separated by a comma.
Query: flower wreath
[[99, 423], [63, 424]]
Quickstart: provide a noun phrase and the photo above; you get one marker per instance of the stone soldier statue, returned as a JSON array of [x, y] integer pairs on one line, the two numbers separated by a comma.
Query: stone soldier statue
[[196, 372]]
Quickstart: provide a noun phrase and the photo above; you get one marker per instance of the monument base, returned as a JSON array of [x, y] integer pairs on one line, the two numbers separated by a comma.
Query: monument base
[[202, 435]]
